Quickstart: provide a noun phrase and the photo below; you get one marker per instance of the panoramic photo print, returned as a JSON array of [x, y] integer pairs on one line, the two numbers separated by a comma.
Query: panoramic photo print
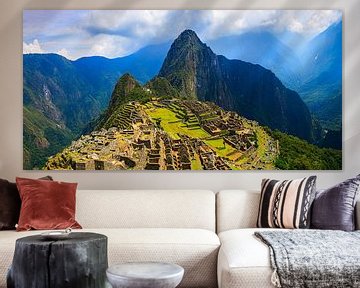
[[182, 90]]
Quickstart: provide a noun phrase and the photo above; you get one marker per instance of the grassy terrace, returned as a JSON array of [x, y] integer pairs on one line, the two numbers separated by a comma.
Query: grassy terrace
[[173, 125], [218, 146], [196, 163]]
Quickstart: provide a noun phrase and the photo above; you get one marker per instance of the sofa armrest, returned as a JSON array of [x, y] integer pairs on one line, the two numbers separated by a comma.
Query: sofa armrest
[[357, 215]]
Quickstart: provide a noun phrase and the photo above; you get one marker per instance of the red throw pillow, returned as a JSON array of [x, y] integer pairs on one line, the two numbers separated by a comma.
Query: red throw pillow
[[46, 204], [10, 204]]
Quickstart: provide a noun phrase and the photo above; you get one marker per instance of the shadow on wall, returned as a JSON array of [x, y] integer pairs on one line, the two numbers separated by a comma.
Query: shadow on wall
[[351, 60]]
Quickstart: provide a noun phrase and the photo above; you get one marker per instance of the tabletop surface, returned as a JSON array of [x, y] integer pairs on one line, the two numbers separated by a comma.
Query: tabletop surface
[[73, 237], [146, 270]]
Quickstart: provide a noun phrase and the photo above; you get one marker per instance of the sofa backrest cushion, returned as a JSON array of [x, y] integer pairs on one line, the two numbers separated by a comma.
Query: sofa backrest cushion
[[236, 209], [146, 209]]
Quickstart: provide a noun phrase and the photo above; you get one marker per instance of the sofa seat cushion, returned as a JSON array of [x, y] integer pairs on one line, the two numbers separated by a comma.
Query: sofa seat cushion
[[194, 249], [244, 261]]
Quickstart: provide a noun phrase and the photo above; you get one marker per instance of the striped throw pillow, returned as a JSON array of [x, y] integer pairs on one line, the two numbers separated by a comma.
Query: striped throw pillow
[[286, 204]]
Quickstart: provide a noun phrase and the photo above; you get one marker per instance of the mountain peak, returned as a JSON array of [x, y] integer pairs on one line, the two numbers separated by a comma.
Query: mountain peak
[[188, 33], [127, 77], [185, 54], [125, 85], [123, 88], [188, 37]]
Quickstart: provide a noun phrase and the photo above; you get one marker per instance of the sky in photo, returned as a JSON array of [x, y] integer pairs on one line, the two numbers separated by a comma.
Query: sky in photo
[[115, 33]]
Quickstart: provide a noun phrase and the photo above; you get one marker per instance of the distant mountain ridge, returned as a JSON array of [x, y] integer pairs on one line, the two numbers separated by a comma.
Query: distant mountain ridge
[[251, 90], [90, 80], [321, 88], [312, 69]]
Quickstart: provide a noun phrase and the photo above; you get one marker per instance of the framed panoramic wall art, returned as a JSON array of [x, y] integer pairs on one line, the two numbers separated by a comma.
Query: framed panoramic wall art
[[182, 89]]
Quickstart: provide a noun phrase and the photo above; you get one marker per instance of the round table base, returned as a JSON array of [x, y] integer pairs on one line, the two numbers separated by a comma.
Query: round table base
[[79, 261]]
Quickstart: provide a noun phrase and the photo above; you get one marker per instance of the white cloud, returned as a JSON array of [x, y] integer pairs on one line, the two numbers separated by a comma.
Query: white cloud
[[112, 33], [318, 22], [137, 23], [150, 26], [296, 26], [112, 46], [33, 47], [224, 22], [119, 33], [64, 52], [305, 22]]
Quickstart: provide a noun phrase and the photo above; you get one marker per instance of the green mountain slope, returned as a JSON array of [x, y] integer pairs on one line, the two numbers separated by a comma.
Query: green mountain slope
[[297, 154], [54, 87], [42, 138], [161, 87], [58, 103]]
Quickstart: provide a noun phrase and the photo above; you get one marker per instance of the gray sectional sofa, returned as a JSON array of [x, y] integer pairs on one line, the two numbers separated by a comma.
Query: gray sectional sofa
[[210, 235]]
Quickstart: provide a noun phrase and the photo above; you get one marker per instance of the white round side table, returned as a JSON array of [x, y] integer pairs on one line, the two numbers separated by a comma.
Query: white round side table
[[145, 275]]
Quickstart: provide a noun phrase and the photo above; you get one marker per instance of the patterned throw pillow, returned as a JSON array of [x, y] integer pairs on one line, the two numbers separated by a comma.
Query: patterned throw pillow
[[286, 204]]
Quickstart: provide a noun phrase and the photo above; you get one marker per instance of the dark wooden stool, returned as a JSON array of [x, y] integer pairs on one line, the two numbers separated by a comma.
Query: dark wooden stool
[[78, 261]]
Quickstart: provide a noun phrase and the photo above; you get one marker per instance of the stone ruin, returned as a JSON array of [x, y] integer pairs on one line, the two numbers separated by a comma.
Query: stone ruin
[[137, 142]]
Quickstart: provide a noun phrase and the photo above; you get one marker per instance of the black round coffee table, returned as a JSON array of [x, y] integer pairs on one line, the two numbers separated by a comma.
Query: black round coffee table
[[78, 261]]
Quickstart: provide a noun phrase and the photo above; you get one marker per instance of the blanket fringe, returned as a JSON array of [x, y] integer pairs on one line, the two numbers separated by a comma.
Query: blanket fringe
[[275, 280]]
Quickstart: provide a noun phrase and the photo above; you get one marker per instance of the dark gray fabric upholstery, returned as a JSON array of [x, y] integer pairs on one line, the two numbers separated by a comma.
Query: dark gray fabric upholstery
[[334, 208]]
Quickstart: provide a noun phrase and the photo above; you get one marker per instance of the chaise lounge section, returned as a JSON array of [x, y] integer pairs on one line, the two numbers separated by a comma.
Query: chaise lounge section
[[244, 260]]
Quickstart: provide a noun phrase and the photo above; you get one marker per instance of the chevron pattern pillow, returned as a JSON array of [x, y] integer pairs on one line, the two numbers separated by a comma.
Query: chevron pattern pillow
[[286, 204]]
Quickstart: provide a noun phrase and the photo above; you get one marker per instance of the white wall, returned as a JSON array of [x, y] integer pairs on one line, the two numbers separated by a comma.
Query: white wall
[[11, 98]]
